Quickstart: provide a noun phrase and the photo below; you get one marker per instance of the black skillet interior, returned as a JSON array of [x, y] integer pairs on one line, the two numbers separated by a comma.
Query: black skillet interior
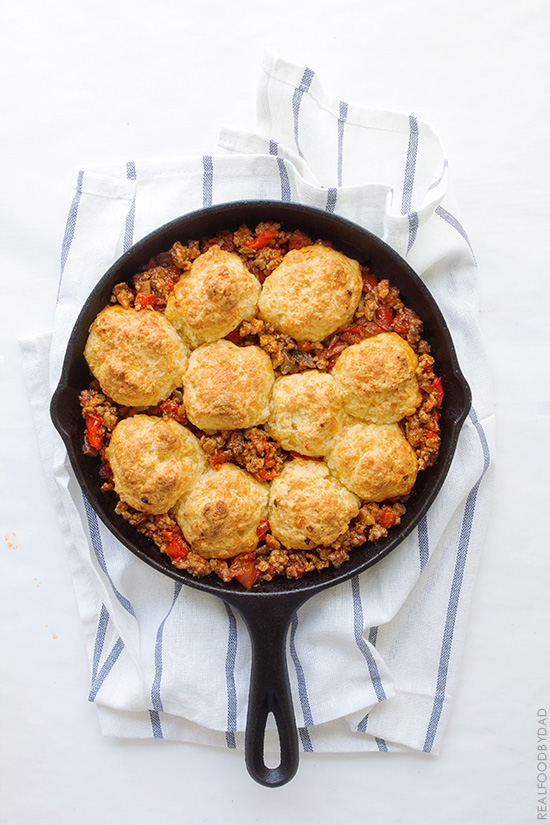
[[279, 598]]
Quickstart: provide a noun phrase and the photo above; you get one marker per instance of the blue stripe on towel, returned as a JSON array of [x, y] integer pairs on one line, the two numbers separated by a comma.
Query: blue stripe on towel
[[410, 166], [299, 92], [155, 724], [440, 178], [408, 182], [155, 688], [447, 216], [454, 596], [341, 121], [332, 195], [106, 668], [302, 688], [100, 635], [97, 544], [423, 542], [362, 726], [413, 229], [207, 180], [130, 218], [230, 659], [285, 182], [70, 227], [361, 644], [364, 648]]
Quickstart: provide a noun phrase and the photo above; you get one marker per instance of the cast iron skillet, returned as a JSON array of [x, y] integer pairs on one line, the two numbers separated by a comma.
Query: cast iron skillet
[[268, 608]]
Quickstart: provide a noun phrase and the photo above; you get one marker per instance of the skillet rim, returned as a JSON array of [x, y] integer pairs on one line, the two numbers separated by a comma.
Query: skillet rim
[[236, 212]]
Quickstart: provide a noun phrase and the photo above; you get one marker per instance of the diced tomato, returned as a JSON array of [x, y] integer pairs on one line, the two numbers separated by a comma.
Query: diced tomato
[[173, 409], [262, 528], [357, 328], [299, 569], [384, 317], [217, 459], [355, 332], [334, 348], [144, 301], [437, 390], [169, 406], [176, 548], [262, 239], [435, 418], [387, 518], [400, 325], [235, 337], [95, 430], [265, 475], [243, 568], [369, 281], [298, 239]]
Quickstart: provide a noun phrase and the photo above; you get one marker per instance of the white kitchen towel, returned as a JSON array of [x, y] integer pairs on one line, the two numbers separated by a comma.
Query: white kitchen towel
[[374, 662]]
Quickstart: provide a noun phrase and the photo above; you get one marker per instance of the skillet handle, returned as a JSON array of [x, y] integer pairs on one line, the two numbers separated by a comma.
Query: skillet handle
[[270, 693]]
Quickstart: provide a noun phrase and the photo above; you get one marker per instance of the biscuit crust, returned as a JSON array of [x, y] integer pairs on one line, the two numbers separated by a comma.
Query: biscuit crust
[[378, 379], [306, 412], [312, 293], [154, 462], [213, 298], [308, 507], [375, 461], [137, 356], [221, 515], [227, 387]]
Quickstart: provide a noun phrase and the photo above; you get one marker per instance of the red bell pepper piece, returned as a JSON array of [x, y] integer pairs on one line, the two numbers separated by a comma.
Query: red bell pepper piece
[[243, 568], [437, 391], [95, 430], [144, 301], [176, 548], [262, 239], [262, 528], [387, 518], [384, 317], [268, 474], [369, 281]]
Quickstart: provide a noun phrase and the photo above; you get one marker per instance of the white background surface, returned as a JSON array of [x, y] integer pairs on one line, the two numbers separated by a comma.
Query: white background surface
[[86, 83]]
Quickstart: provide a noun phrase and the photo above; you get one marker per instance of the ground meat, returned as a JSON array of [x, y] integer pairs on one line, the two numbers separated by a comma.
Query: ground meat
[[380, 309], [123, 295], [252, 449]]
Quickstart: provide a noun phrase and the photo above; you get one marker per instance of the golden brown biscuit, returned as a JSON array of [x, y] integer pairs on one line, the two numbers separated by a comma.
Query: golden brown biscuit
[[306, 412], [308, 507], [378, 379], [312, 293], [137, 356], [227, 387], [154, 462], [221, 515], [375, 461], [213, 298]]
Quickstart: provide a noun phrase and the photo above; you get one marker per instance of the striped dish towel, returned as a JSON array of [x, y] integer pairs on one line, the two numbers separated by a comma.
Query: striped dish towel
[[373, 662]]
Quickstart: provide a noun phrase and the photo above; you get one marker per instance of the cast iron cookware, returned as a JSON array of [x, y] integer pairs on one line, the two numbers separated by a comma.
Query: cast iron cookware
[[267, 609]]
